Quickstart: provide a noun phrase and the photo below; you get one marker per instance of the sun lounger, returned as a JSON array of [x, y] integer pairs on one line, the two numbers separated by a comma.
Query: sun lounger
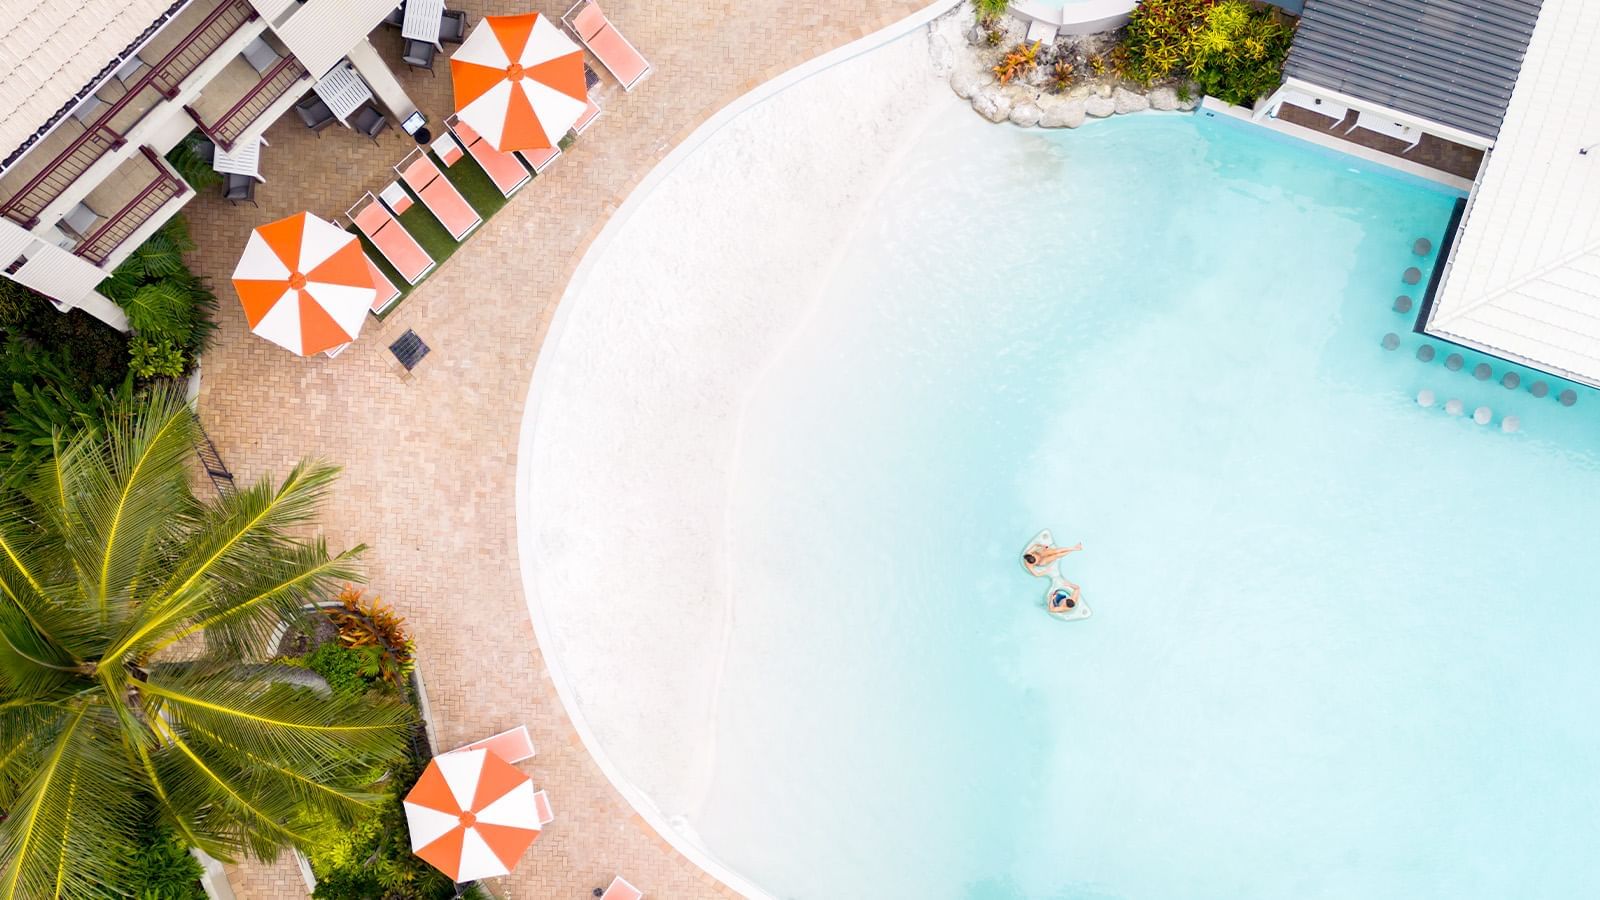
[[595, 31], [513, 745], [507, 174], [590, 113], [541, 805], [1388, 128], [447, 148], [374, 220], [539, 160], [1310, 103], [438, 194], [620, 889], [387, 292]]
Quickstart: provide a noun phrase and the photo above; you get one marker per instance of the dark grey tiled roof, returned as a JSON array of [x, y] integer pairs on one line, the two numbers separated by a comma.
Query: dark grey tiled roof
[[1452, 61]]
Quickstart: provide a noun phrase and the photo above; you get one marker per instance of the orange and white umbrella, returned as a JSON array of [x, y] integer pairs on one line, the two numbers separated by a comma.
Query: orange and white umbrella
[[304, 284], [519, 82], [471, 815]]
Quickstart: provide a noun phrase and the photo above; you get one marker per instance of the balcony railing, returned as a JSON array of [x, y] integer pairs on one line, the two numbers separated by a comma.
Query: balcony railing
[[98, 246], [274, 83], [99, 138]]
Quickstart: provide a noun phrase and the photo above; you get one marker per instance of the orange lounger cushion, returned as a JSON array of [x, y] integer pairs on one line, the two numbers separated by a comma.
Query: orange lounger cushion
[[503, 168], [387, 292], [588, 21], [617, 55], [620, 889], [539, 159], [393, 241], [440, 196], [590, 113]]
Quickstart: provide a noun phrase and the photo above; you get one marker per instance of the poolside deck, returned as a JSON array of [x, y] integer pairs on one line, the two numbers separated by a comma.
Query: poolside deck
[[1432, 151], [430, 456]]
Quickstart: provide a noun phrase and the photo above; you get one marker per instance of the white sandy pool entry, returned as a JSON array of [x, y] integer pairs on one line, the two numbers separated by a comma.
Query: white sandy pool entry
[[1342, 645]]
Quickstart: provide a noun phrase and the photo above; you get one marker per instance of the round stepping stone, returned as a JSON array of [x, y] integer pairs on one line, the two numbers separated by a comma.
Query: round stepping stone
[[1412, 275], [1425, 398], [1453, 362], [1422, 247], [1391, 341], [1453, 407], [1510, 380], [1425, 353], [1539, 389], [1481, 371], [1510, 424], [1402, 304], [1482, 415], [1568, 397]]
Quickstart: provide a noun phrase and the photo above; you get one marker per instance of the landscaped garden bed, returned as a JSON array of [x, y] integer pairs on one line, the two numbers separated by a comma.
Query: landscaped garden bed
[[1170, 55]]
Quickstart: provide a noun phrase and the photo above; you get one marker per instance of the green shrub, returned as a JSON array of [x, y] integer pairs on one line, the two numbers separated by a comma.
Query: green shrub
[[163, 299], [989, 10], [149, 358], [341, 667], [46, 393], [1232, 50], [162, 869], [195, 169]]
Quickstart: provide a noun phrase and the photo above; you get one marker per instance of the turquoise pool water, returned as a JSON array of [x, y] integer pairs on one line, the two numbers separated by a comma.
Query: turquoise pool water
[[1342, 646]]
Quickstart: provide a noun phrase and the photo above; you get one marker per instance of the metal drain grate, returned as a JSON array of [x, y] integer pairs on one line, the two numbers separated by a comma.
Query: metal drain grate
[[409, 349]]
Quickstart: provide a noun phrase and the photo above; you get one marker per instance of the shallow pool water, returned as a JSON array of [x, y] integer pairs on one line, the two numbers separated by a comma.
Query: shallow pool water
[[1342, 646]]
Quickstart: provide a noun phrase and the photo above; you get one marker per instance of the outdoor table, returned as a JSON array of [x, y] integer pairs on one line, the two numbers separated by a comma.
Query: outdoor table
[[422, 20], [343, 90], [244, 160]]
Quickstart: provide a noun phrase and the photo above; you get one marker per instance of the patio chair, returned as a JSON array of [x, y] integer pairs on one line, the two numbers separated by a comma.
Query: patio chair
[[513, 745], [620, 889], [615, 52], [590, 113], [391, 239], [396, 17], [541, 805], [260, 55], [419, 54], [438, 194], [539, 160], [315, 113], [368, 121], [79, 220], [236, 187], [503, 169], [453, 26]]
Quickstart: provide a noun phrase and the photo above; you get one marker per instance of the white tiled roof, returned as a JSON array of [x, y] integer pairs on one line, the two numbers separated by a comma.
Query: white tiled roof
[[50, 49], [1525, 279]]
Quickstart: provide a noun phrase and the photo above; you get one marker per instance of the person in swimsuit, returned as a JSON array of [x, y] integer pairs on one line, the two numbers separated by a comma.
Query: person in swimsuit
[[1062, 601], [1038, 557]]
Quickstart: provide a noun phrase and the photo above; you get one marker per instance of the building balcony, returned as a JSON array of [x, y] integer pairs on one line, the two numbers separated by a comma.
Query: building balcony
[[123, 203], [243, 91], [100, 123]]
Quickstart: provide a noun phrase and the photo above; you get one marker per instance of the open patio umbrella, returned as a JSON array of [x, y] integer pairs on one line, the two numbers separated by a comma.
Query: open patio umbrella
[[471, 815], [519, 82], [304, 284]]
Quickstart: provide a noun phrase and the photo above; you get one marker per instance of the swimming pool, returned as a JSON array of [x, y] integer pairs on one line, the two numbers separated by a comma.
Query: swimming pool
[[1341, 644]]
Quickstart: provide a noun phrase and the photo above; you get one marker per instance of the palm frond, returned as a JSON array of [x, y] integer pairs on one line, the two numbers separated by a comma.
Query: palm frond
[[281, 722], [135, 486], [69, 832], [232, 544]]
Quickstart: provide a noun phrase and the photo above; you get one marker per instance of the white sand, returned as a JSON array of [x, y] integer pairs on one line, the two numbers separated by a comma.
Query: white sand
[[637, 400]]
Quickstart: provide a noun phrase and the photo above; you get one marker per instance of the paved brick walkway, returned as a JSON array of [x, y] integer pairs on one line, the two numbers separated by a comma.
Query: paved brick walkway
[[430, 459]]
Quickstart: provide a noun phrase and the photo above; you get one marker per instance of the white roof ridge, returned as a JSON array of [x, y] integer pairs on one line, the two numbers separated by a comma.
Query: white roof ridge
[[1520, 281]]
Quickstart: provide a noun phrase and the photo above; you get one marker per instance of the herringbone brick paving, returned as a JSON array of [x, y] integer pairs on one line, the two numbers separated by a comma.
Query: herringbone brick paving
[[430, 458]]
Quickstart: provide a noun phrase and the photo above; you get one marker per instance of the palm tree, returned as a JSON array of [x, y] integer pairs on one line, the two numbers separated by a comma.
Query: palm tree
[[131, 619]]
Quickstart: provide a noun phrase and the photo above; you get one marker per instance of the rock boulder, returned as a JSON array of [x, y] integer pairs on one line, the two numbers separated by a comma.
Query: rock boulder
[[1025, 114], [1100, 107], [1066, 114], [1164, 98], [1126, 101], [992, 104]]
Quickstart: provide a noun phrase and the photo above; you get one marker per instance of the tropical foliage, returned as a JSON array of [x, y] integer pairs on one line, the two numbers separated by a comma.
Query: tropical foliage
[[1231, 49], [987, 11], [165, 302], [1017, 62], [195, 167], [126, 607], [162, 868], [376, 633]]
